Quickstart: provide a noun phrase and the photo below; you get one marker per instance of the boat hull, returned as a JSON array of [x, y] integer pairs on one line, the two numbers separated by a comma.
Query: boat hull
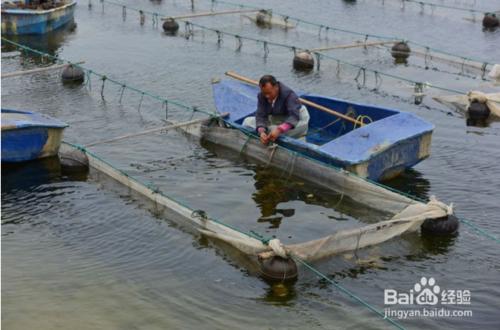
[[395, 160], [392, 142], [29, 135], [19, 145], [24, 21]]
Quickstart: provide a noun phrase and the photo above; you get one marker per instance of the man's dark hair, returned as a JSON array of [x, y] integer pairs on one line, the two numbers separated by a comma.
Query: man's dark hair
[[267, 79]]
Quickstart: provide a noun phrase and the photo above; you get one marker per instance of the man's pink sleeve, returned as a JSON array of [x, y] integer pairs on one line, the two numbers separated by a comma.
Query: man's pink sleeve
[[285, 127]]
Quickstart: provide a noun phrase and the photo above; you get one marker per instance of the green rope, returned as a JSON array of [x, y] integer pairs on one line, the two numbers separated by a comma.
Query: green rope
[[244, 145], [347, 292], [479, 230]]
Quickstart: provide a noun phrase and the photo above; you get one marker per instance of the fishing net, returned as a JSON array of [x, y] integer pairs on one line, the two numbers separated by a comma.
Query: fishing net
[[404, 214]]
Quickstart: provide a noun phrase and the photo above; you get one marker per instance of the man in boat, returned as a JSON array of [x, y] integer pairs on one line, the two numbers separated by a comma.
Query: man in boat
[[279, 111]]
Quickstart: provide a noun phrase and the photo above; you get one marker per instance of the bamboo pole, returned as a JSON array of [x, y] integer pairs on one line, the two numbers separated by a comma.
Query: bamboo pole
[[303, 101], [470, 65], [448, 59], [357, 44], [211, 13], [49, 68], [153, 130]]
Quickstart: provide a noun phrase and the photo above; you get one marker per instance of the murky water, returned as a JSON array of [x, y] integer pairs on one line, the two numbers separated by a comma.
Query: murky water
[[77, 254]]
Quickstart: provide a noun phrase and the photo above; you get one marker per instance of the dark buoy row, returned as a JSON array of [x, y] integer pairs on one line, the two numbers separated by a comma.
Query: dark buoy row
[[441, 226], [170, 26], [303, 61], [73, 75], [490, 21], [478, 110], [400, 51], [278, 269]]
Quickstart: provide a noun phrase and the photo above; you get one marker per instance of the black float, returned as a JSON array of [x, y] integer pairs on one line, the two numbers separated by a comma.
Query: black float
[[303, 61], [478, 111], [400, 51], [441, 226], [170, 26], [278, 268], [73, 75], [490, 21]]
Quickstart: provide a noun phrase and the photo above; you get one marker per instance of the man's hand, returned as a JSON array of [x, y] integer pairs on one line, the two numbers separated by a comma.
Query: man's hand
[[274, 134], [264, 138]]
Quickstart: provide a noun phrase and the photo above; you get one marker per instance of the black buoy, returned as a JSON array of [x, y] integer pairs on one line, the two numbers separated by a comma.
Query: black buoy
[[278, 269], [72, 74], [303, 61], [490, 21], [263, 17], [170, 26], [440, 226], [478, 110], [400, 51]]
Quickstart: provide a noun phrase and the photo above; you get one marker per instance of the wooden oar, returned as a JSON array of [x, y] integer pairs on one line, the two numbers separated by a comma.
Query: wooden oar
[[303, 101], [210, 13], [357, 44]]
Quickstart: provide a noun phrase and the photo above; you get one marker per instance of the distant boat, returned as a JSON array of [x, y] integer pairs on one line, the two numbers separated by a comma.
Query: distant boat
[[29, 135], [19, 18], [392, 142]]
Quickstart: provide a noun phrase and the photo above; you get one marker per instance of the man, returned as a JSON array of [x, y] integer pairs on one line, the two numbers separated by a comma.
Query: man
[[278, 112]]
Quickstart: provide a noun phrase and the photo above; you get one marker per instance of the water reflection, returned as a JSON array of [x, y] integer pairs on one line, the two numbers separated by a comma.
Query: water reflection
[[49, 43], [411, 182], [23, 176], [26, 175], [282, 293]]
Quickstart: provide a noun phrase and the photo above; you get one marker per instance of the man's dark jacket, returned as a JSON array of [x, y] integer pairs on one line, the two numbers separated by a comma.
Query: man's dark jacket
[[287, 104]]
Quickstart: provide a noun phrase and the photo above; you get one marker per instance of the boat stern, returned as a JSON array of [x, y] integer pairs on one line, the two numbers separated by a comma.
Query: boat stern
[[384, 149]]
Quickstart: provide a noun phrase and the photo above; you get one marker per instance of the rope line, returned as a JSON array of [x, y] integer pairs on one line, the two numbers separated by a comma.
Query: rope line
[[362, 34], [105, 78], [347, 292], [267, 43]]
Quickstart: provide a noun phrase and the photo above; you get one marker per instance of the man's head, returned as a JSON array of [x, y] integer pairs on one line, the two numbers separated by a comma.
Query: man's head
[[269, 87]]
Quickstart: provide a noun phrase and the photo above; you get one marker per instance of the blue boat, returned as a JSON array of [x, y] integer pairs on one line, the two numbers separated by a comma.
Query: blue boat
[[391, 142], [24, 18], [29, 135]]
